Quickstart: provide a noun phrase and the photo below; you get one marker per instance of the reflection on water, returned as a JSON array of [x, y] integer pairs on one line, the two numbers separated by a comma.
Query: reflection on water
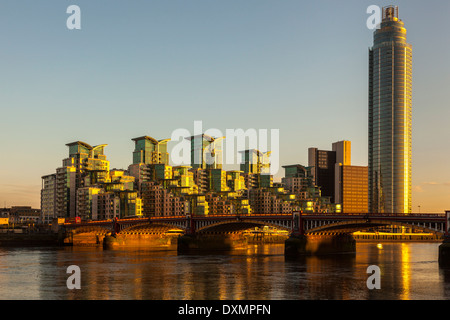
[[408, 271]]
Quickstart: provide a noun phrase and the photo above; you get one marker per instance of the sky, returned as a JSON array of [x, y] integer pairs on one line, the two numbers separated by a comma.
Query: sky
[[151, 67]]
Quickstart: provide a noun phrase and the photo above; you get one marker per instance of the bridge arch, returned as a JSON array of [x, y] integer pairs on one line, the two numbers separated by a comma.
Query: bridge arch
[[90, 229], [359, 225], [238, 225], [150, 228]]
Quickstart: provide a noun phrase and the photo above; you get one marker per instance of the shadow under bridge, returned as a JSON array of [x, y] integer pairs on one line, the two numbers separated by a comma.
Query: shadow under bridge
[[234, 226], [152, 228]]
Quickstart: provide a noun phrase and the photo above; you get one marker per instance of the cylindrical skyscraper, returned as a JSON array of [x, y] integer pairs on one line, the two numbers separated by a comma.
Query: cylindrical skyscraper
[[390, 86]]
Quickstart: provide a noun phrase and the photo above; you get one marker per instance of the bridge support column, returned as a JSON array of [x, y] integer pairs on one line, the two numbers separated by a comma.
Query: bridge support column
[[444, 252], [318, 244], [66, 238], [295, 245], [297, 241], [444, 248]]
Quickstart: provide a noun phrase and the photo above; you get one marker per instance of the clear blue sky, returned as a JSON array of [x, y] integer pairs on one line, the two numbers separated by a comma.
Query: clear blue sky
[[149, 67]]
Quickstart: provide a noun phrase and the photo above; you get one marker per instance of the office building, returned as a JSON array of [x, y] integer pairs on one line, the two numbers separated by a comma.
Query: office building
[[390, 89], [323, 162], [343, 151], [351, 188], [338, 179]]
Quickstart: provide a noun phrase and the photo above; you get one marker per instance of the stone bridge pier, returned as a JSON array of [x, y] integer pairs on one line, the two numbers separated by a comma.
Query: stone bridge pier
[[444, 252], [299, 243], [209, 241], [444, 248], [319, 244], [222, 236]]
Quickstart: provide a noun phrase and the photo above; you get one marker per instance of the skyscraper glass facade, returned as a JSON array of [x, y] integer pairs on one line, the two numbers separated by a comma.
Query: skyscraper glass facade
[[390, 86]]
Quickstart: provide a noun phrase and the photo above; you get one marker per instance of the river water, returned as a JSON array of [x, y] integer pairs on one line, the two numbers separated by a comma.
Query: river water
[[409, 271]]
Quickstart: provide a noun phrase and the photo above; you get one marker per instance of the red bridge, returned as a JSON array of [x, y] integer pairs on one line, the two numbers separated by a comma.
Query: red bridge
[[309, 233], [297, 223]]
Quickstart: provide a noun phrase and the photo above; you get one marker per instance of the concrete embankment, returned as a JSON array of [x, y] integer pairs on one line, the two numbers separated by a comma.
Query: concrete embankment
[[29, 239]]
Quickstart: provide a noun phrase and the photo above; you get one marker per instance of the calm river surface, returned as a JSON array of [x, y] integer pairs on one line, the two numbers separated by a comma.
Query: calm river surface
[[408, 271]]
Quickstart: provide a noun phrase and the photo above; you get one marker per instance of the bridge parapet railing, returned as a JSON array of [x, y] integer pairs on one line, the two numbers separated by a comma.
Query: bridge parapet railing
[[431, 215], [266, 215]]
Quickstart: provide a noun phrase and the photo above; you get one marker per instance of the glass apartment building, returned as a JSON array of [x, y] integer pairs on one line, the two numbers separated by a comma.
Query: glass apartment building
[[206, 152], [390, 86], [150, 151]]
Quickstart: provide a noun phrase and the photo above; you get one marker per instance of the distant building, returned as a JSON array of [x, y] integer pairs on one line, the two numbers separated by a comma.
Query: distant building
[[343, 150], [201, 179], [86, 206], [338, 179], [255, 166], [149, 156], [217, 205], [299, 181], [86, 166], [218, 180], [297, 178], [352, 188], [270, 200], [48, 198], [235, 180], [86, 187], [106, 206], [158, 201], [24, 214], [255, 161], [323, 164]]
